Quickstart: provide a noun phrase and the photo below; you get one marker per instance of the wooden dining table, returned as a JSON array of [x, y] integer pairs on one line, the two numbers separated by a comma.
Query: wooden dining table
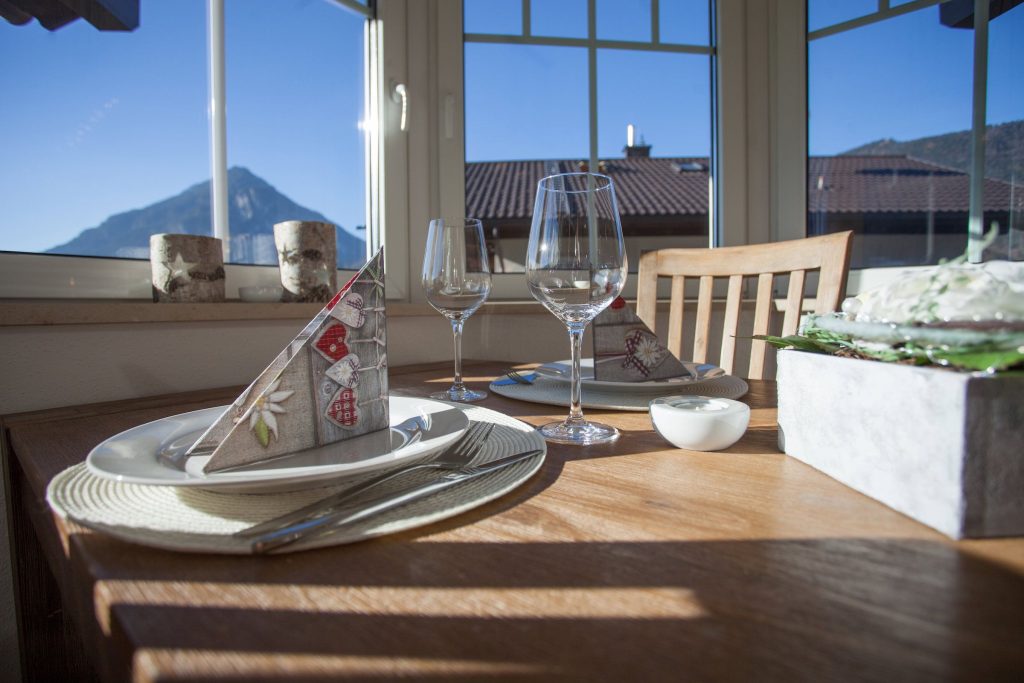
[[631, 561]]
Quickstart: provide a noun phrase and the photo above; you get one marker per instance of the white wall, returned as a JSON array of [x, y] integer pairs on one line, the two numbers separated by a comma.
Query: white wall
[[58, 365]]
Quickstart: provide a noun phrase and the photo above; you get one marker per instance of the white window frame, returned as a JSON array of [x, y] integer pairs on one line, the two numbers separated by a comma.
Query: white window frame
[[758, 178], [417, 173], [452, 173]]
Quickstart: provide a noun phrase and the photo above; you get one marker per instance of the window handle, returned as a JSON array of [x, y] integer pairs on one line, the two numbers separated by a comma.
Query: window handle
[[400, 94]]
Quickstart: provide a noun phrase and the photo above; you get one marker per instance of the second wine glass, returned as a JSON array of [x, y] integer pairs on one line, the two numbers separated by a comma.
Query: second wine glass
[[457, 280], [576, 266]]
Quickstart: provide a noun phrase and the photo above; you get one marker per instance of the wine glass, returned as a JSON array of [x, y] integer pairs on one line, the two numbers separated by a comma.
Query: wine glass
[[456, 279], [576, 266]]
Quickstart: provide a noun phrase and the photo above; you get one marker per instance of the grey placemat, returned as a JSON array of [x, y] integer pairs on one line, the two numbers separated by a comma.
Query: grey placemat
[[553, 392], [198, 520]]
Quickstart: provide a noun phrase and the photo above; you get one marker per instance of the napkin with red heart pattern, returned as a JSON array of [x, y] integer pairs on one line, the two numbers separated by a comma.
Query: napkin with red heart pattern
[[626, 350], [328, 385]]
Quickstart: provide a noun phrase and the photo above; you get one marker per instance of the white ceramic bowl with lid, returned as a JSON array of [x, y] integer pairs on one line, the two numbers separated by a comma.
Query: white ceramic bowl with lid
[[700, 423]]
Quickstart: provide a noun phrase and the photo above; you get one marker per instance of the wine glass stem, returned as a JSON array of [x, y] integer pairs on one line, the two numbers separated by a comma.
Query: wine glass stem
[[457, 385], [576, 398]]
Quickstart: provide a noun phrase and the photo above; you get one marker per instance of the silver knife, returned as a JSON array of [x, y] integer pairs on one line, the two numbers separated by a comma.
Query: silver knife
[[314, 527]]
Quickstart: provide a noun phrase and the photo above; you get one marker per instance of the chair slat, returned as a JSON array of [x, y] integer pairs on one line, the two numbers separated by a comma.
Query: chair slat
[[794, 302], [675, 316], [647, 289], [762, 319], [732, 322], [835, 265], [702, 327]]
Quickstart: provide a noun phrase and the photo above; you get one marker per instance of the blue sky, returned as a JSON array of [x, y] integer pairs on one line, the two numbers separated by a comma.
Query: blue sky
[[905, 78], [95, 123]]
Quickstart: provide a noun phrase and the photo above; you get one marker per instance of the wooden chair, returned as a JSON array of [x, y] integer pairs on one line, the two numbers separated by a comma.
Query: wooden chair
[[829, 254]]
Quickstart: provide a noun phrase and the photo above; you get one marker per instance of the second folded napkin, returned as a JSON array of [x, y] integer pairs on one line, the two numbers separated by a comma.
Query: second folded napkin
[[626, 350]]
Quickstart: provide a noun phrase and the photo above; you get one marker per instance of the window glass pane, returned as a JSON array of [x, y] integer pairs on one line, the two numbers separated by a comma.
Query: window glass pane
[[684, 22], [103, 133], [526, 117], [822, 13], [561, 18], [525, 102], [294, 102], [662, 181], [667, 98], [890, 154], [624, 20], [493, 16], [1004, 145]]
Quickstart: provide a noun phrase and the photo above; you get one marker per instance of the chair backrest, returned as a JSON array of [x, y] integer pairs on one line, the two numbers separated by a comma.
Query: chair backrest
[[829, 254]]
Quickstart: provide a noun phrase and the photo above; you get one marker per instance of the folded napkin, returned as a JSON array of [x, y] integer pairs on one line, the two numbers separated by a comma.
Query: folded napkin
[[626, 350], [328, 385]]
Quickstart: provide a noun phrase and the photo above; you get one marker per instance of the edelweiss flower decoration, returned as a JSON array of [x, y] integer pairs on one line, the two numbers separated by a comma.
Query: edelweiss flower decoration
[[627, 350], [649, 351], [262, 420]]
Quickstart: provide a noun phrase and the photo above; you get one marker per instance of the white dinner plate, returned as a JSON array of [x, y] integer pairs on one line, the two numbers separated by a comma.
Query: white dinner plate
[[562, 371], [199, 520], [141, 455]]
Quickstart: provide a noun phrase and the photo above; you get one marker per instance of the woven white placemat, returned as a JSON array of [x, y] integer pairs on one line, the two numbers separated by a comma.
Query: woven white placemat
[[198, 520], [553, 392]]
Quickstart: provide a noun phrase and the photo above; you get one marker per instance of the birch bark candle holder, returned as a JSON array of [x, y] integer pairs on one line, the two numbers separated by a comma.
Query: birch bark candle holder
[[186, 268], [307, 253]]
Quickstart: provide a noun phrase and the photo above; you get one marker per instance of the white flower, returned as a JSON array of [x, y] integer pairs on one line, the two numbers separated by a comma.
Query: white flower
[[950, 293], [648, 352], [265, 407]]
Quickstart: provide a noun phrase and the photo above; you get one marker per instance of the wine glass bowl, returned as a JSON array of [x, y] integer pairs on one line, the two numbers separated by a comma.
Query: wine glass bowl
[[575, 267], [456, 280]]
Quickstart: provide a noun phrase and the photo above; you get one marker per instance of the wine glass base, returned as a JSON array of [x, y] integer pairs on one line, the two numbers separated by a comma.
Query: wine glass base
[[459, 395], [579, 433]]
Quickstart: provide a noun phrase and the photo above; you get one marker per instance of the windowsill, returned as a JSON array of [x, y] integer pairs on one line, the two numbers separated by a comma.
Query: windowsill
[[43, 312], [35, 312]]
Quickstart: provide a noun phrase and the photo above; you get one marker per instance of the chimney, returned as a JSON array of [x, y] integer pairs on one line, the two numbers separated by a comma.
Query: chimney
[[633, 150]]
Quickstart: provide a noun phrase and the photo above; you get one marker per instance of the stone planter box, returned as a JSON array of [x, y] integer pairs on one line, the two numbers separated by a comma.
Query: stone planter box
[[944, 448]]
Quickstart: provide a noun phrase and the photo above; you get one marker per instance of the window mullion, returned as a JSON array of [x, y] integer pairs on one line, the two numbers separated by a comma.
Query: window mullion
[[218, 127], [976, 205], [592, 77]]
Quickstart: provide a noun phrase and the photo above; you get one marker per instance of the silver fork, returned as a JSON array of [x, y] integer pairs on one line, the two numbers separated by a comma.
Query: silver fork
[[460, 454], [517, 377]]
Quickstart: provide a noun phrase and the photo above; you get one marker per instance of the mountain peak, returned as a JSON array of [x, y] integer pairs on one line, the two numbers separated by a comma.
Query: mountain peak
[[254, 207], [242, 174]]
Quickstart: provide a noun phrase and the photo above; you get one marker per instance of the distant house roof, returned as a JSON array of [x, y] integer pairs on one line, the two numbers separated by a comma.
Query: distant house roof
[[651, 188], [643, 186], [894, 184]]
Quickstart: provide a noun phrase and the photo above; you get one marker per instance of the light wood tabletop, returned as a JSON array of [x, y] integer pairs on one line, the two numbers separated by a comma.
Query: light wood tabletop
[[623, 562]]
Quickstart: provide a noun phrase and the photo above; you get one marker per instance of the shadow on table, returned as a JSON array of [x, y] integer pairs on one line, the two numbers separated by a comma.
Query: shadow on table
[[815, 609]]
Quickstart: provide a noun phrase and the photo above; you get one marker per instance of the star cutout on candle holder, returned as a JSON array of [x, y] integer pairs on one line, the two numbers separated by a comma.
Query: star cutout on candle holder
[[179, 267]]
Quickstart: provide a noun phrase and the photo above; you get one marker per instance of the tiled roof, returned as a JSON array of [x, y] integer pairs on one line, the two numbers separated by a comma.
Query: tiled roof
[[894, 184], [679, 186], [643, 187]]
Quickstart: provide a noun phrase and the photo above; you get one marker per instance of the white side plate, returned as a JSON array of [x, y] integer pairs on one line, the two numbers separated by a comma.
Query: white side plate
[[562, 371]]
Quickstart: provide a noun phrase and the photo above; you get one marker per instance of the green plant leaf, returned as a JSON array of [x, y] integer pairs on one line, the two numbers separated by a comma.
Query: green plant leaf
[[798, 342], [262, 432], [980, 360]]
